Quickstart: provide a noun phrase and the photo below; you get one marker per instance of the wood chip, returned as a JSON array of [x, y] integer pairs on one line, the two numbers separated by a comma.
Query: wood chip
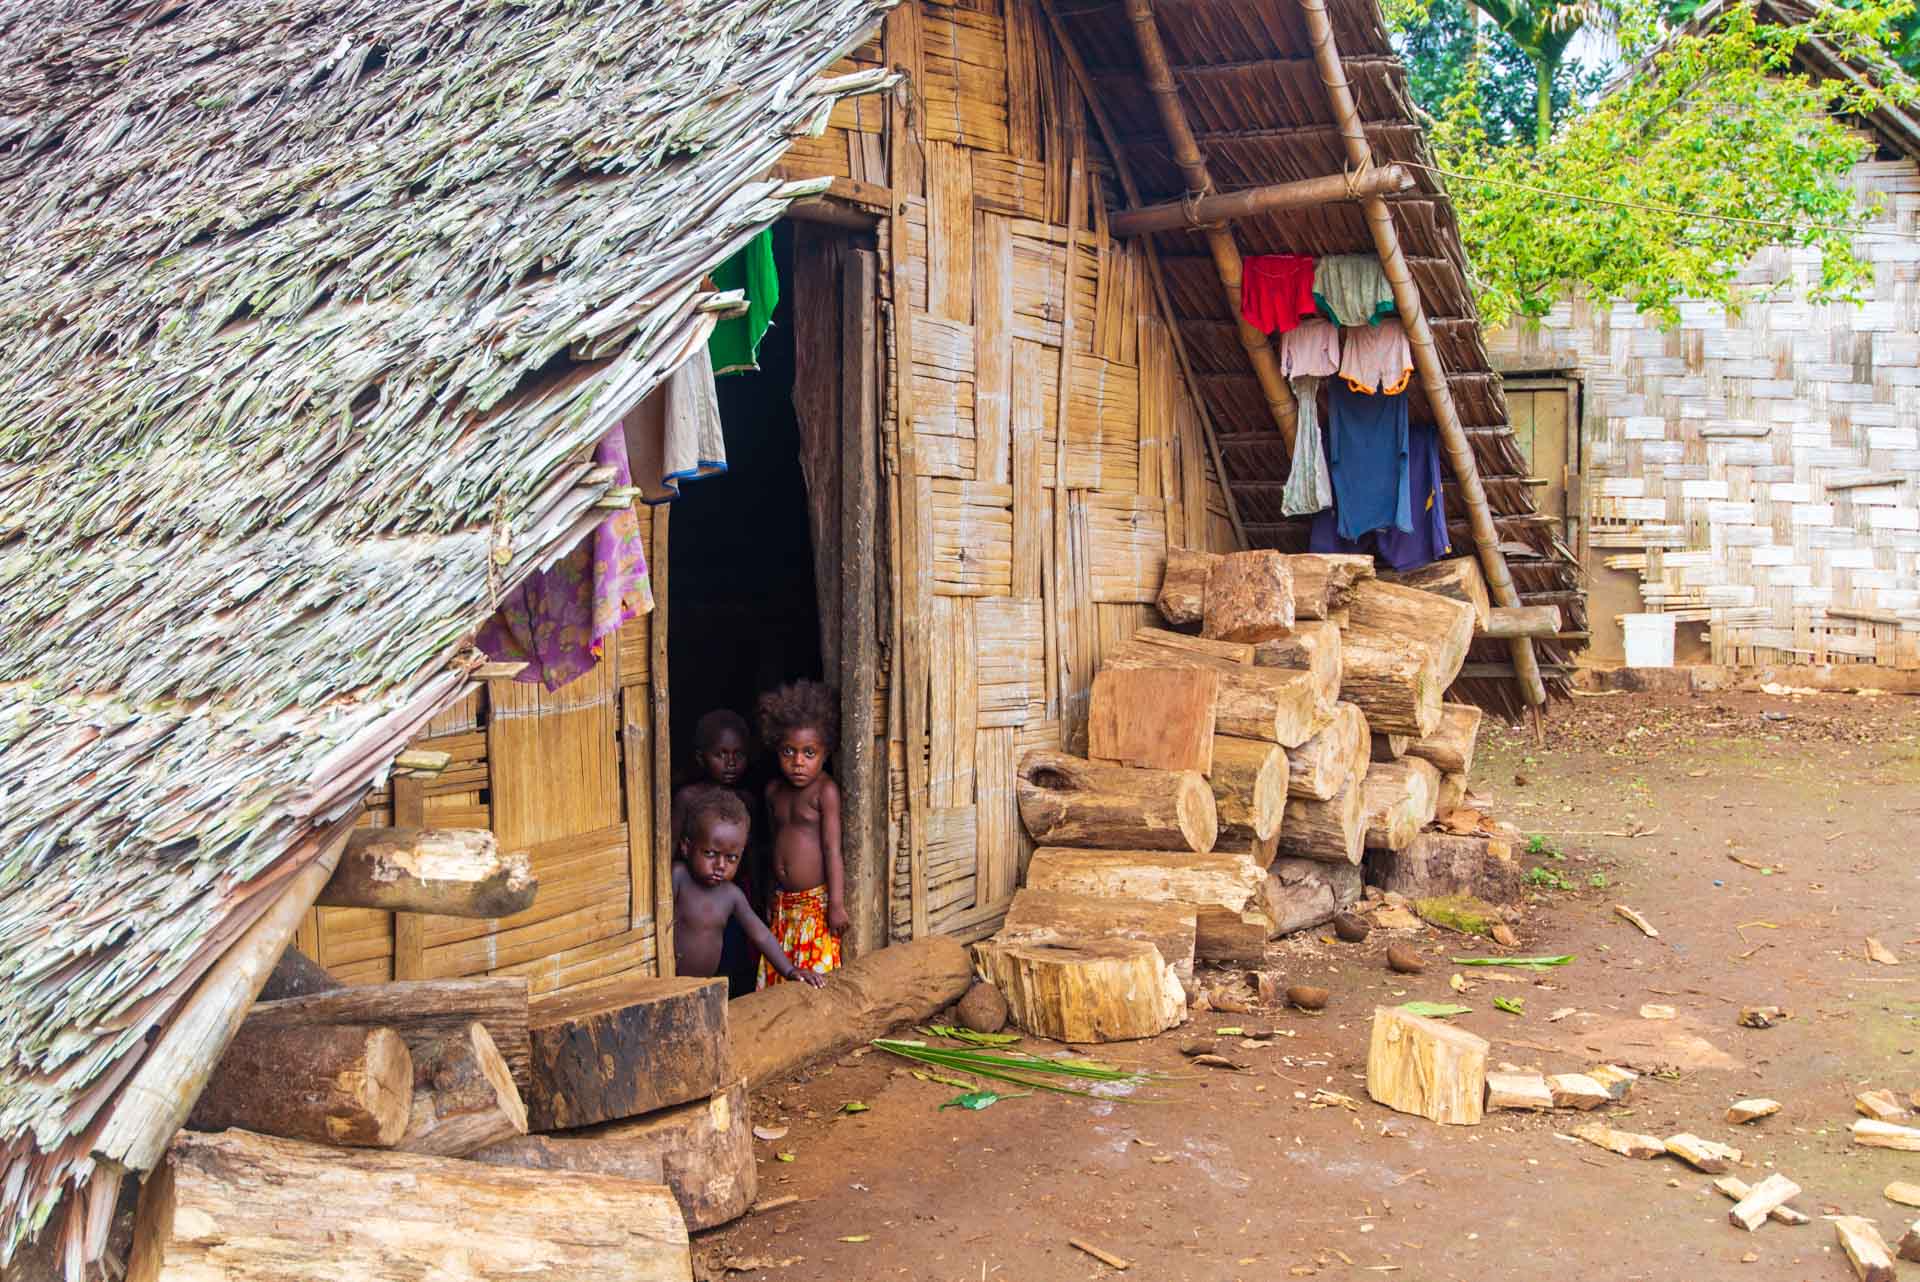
[[1654, 1011], [1577, 1090], [1882, 1106], [1644, 926], [1752, 1210], [1732, 1186], [1869, 1133], [1107, 1258], [1743, 1111], [1706, 1155], [1617, 1080], [1904, 1194], [1625, 1143], [1908, 1247], [1879, 952], [1518, 1090], [1865, 1248]]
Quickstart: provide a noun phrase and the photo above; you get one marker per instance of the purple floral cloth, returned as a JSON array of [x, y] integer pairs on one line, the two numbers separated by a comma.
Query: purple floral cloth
[[557, 622]]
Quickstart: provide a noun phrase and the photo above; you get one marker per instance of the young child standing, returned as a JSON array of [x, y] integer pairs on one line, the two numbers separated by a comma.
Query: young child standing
[[720, 742], [801, 723], [714, 830]]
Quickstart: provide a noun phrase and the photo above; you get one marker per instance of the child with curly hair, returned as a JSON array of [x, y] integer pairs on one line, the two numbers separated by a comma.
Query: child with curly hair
[[706, 903], [801, 723]]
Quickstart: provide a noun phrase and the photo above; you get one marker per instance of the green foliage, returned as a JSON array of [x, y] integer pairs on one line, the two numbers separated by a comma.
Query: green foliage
[[1598, 881], [1539, 845], [1511, 1005], [1436, 41], [1546, 877]]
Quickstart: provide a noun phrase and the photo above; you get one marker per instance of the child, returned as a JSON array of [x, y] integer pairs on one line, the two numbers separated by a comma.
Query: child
[[705, 900], [800, 722], [720, 757]]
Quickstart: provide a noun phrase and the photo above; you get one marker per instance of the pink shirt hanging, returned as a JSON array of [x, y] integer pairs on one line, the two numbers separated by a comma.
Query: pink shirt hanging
[[1312, 350], [1376, 358], [1276, 290]]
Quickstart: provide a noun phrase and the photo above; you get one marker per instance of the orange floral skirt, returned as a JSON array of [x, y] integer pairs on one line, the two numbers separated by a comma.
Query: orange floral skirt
[[800, 924]]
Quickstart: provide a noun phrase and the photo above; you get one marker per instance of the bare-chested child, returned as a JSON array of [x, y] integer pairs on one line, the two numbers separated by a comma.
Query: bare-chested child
[[801, 723], [714, 829], [720, 750]]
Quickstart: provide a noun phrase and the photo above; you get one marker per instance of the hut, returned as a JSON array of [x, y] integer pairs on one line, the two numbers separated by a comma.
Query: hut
[[319, 312]]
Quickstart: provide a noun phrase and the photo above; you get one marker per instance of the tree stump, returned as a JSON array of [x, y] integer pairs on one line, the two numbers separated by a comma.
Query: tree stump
[[1437, 864], [1233, 920], [1426, 1067], [1107, 990], [1067, 801], [1060, 917]]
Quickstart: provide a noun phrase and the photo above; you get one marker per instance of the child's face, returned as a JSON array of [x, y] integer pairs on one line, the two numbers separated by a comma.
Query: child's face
[[803, 752], [725, 759], [713, 848]]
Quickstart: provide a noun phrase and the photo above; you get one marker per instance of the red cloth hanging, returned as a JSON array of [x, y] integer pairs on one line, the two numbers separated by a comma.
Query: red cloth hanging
[[1276, 290]]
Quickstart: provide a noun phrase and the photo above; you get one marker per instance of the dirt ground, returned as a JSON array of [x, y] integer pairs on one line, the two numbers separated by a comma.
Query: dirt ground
[[1244, 1176]]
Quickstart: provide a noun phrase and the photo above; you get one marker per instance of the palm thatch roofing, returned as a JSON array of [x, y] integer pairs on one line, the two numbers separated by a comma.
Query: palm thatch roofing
[[1248, 81], [314, 311]]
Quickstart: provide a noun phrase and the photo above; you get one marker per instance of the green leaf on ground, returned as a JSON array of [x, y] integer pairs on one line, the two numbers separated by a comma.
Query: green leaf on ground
[[1522, 963], [1435, 1010], [1511, 1005]]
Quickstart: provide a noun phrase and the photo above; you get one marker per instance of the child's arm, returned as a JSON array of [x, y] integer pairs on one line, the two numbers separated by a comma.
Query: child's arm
[[837, 919], [769, 946]]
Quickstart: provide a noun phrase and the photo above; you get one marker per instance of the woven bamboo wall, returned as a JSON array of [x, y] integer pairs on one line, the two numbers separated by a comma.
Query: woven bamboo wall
[[1725, 459]]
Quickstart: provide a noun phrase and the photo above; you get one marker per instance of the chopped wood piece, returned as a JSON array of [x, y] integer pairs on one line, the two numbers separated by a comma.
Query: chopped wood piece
[[1312, 647], [1442, 626], [625, 1046], [1760, 1201], [451, 872], [1736, 1189], [1332, 831], [346, 1084], [1457, 578], [1908, 1248], [1306, 892], [1323, 582], [421, 1011], [1183, 589], [1399, 797], [1059, 917], [1577, 1090], [1320, 767], [1426, 1067], [250, 1208], [1872, 1134], [1066, 801], [1511, 621], [1743, 1111], [1275, 704], [1393, 679], [1706, 1155], [1879, 952], [1625, 1143], [1617, 1080], [1104, 990], [1230, 651], [463, 1097], [1107, 1258], [1904, 1194], [1389, 747], [1153, 718], [1249, 782], [1866, 1249], [1249, 598], [1451, 745], [1519, 1090], [1436, 864], [1882, 1105], [1233, 919], [702, 1151], [1640, 923]]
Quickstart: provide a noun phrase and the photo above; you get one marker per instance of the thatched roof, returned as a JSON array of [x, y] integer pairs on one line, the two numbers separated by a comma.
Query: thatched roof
[[1247, 78], [314, 310]]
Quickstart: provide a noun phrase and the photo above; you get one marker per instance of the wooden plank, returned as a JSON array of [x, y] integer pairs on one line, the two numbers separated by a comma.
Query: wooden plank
[[993, 351], [997, 815], [940, 706], [863, 840], [636, 773], [1068, 678], [1011, 660], [1028, 429], [1027, 49], [409, 936], [1082, 613], [949, 232], [660, 704]]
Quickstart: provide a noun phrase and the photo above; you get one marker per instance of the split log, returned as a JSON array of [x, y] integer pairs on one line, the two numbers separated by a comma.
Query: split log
[[624, 1046], [702, 1151], [1426, 1067], [348, 1084], [297, 975], [1312, 647], [1060, 917], [1625, 1143], [1522, 621], [1453, 793], [1450, 746], [1871, 1134], [1323, 582], [251, 1208], [1577, 1091], [1388, 747], [786, 1027], [1067, 801], [1107, 990], [451, 872], [1742, 1111], [1321, 766], [1445, 626], [421, 1011], [1233, 920], [1866, 1250], [463, 1097], [1153, 718], [1332, 831], [1249, 783], [1305, 893], [1231, 651], [1736, 1188], [1437, 864], [1706, 1155], [1457, 578], [1528, 1091], [1249, 598], [1399, 798], [1275, 704], [1392, 678], [1183, 589]]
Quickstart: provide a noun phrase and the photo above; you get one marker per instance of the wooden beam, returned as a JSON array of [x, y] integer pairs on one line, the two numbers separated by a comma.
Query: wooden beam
[[1173, 215], [452, 872], [863, 840], [659, 708], [1507, 622]]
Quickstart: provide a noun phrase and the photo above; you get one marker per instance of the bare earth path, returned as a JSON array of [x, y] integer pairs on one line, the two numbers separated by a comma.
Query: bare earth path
[[1242, 1176]]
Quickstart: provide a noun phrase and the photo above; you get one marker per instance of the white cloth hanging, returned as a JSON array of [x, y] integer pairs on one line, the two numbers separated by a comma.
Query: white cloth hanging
[[1309, 488], [674, 435]]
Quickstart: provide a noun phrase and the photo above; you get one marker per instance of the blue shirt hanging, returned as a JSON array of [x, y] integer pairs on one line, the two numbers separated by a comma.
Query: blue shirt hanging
[[1367, 454], [1428, 541]]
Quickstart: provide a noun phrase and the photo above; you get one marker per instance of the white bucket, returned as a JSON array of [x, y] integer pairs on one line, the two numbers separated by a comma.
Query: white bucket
[[1649, 640]]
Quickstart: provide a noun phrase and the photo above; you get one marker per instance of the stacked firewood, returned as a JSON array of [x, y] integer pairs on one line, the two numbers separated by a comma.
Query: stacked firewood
[[1240, 763]]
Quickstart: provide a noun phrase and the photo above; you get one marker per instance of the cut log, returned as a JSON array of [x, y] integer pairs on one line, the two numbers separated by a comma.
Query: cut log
[[1393, 680], [1866, 1250], [1249, 598], [1321, 766], [1871, 1134], [1275, 704], [1450, 746], [1323, 582], [1710, 1156], [1445, 626], [1106, 990], [1312, 647], [1438, 864], [421, 1011], [624, 1046], [1426, 1067], [1522, 621], [1332, 831], [347, 1084], [1229, 892], [1231, 651], [1457, 578], [451, 872], [1400, 797], [702, 1151], [1453, 793], [296, 975], [1249, 783], [1527, 1091], [1305, 893], [1625, 1143], [1153, 718], [1577, 1091], [463, 1097], [1388, 747], [1183, 589], [1759, 1202], [1061, 917], [250, 1208], [1735, 1188], [1067, 801], [786, 1027]]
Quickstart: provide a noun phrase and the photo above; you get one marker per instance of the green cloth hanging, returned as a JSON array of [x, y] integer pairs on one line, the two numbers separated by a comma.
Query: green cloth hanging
[[735, 342]]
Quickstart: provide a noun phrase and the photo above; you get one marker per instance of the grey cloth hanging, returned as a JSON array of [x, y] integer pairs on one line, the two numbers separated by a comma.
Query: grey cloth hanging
[[1308, 488]]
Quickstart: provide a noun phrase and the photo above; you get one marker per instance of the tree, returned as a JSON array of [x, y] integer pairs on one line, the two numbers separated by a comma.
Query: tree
[[1542, 30], [1443, 50]]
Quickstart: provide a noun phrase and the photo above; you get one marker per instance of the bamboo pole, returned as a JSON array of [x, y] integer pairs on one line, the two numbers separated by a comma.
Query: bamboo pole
[[1426, 358], [1171, 215], [1220, 240]]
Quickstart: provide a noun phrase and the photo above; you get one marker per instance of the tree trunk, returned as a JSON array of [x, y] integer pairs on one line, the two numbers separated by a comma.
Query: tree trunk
[[1320, 767], [1443, 626], [702, 1151], [1392, 679], [1249, 782], [621, 1047], [297, 975], [1450, 746], [1070, 802], [1542, 103], [1322, 582], [451, 872], [1108, 990], [1332, 831], [1388, 747], [347, 1084], [1458, 578], [1153, 718], [1057, 917], [1228, 892], [1400, 797], [421, 1011], [1437, 863], [1275, 704], [1249, 598], [1305, 892], [1183, 591], [463, 1097], [248, 1208], [1312, 647], [1426, 1067]]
